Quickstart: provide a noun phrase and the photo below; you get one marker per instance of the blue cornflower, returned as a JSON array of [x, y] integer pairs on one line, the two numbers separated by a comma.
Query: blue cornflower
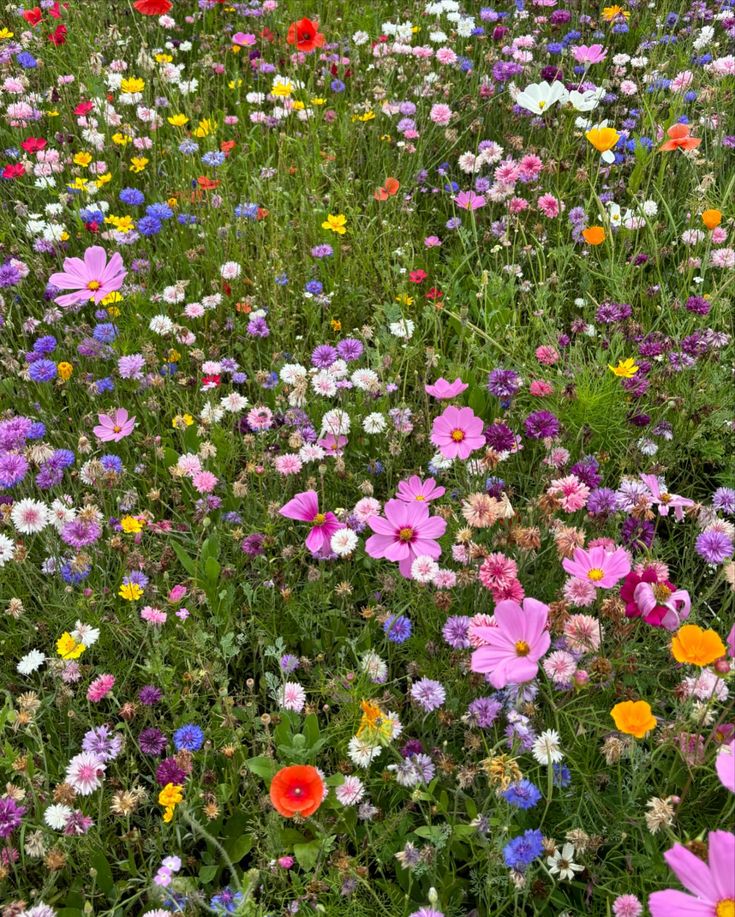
[[337, 86], [398, 628], [247, 211], [131, 196], [226, 902], [562, 775], [26, 60], [188, 147], [215, 158], [104, 385], [112, 463], [42, 371], [523, 850], [282, 280], [105, 332], [314, 287], [161, 211], [186, 219], [45, 345], [522, 795], [189, 738], [149, 226]]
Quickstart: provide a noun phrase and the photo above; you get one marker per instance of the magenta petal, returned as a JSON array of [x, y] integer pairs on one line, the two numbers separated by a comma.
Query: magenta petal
[[721, 858], [315, 539], [693, 874], [303, 506], [672, 903], [725, 766]]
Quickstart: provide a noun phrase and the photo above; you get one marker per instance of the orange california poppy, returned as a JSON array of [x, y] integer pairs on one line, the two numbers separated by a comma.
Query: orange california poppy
[[711, 218], [594, 235], [305, 35], [227, 146], [696, 646], [633, 717], [297, 790], [679, 139], [390, 187]]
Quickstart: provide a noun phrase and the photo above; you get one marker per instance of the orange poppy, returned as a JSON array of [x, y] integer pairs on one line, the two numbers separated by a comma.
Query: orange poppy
[[633, 717], [594, 235], [297, 790], [679, 139], [227, 146], [207, 184], [390, 187], [696, 646], [711, 218], [305, 35]]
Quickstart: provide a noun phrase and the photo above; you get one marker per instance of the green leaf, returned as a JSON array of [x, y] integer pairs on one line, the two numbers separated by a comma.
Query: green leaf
[[186, 562], [311, 729], [207, 874], [263, 767], [104, 873], [240, 847], [212, 569], [307, 854]]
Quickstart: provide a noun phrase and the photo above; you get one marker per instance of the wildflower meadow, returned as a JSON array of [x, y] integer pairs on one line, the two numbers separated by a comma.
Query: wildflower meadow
[[367, 491]]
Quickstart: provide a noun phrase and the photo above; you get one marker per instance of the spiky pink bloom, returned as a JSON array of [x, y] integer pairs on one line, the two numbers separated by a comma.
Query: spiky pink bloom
[[305, 508], [711, 884], [597, 566], [457, 432], [515, 644], [497, 571], [100, 688], [570, 491], [85, 772], [90, 279], [114, 427], [664, 499], [415, 490], [406, 532]]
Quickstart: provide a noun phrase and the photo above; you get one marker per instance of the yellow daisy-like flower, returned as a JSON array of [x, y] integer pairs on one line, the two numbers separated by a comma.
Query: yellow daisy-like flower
[[82, 159], [181, 421], [132, 84], [318, 101], [131, 525], [625, 369], [282, 87], [297, 105], [138, 163], [336, 324], [612, 12], [368, 116], [103, 179], [68, 648], [336, 223], [65, 370], [204, 128], [131, 592], [5, 34], [163, 58], [121, 224], [234, 84], [111, 298], [405, 299], [178, 120], [79, 184], [121, 139]]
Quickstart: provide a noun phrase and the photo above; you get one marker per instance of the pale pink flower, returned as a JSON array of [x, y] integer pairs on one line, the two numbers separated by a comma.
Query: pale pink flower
[[114, 427]]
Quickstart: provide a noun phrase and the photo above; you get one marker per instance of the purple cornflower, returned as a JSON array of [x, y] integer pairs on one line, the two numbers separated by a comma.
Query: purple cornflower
[[350, 349], [500, 437], [152, 741], [637, 534], [149, 695], [169, 771], [13, 469], [602, 501], [77, 823], [398, 628], [323, 356], [587, 471], [456, 632], [11, 815], [322, 251], [483, 711], [103, 742], [131, 367], [252, 544], [541, 425], [289, 663], [610, 312], [715, 547], [80, 533], [698, 305], [428, 694], [723, 499], [258, 327], [503, 383]]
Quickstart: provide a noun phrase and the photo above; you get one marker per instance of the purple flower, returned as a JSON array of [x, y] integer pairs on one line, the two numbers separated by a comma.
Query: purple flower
[[150, 695], [350, 349], [152, 741], [428, 694], [103, 742], [456, 632], [541, 425], [602, 501], [398, 628], [11, 815], [723, 499], [503, 383], [483, 711], [252, 544], [77, 823], [637, 534], [168, 771], [13, 469], [80, 533], [715, 547], [698, 305], [323, 356], [500, 437]]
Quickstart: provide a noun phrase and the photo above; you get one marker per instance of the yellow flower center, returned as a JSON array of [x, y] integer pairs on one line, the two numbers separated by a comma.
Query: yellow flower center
[[320, 519], [725, 908], [665, 498], [94, 285], [458, 435], [405, 534], [522, 648], [420, 498], [595, 574], [116, 429], [661, 592]]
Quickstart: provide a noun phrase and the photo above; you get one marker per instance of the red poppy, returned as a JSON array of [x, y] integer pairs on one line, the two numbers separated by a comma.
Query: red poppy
[[297, 790], [227, 146], [55, 11], [153, 7], [679, 139], [33, 144], [305, 35], [208, 184], [33, 17], [390, 187], [417, 276], [58, 36], [433, 293]]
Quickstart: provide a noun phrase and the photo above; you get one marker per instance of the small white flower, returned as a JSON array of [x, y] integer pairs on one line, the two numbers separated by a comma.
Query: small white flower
[[361, 753], [547, 748], [343, 542], [57, 815], [292, 696], [562, 863], [7, 549], [350, 792], [85, 633], [374, 423], [29, 516], [31, 662]]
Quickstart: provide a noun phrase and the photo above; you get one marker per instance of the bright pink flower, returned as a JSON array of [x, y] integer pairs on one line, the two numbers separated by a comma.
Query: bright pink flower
[[176, 593], [407, 531], [100, 688], [204, 482], [662, 605], [90, 279], [515, 644], [469, 200], [731, 641], [540, 388], [549, 206], [712, 884], [415, 490], [665, 500], [597, 566], [457, 432], [153, 615], [589, 54], [305, 508], [442, 389], [497, 571], [243, 39], [114, 427], [725, 765], [570, 491]]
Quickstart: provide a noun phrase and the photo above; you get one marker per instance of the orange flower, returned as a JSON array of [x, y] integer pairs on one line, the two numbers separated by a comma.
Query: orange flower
[[305, 35], [297, 790], [633, 717], [390, 187], [679, 139], [208, 184], [594, 235], [697, 646], [711, 218]]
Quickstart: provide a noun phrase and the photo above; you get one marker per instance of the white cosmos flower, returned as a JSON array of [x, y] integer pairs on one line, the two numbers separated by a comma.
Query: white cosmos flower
[[540, 97], [586, 101]]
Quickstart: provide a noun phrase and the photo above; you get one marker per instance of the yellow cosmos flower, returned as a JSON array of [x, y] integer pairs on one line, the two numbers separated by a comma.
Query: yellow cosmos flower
[[68, 648], [132, 84], [138, 163], [625, 369], [178, 120], [82, 159], [336, 223], [65, 370], [121, 224], [131, 592]]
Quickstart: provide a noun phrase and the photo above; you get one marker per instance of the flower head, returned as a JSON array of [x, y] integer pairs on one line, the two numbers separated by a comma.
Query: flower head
[[297, 790]]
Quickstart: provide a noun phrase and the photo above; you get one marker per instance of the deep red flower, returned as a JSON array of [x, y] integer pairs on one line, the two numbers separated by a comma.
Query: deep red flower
[[433, 293], [14, 170], [297, 790], [84, 108], [305, 35], [153, 7], [58, 36], [211, 380], [34, 16], [33, 144], [55, 11]]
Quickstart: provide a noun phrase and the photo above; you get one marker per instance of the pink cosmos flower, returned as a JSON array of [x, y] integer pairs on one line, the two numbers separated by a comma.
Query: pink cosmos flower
[[305, 508], [415, 490], [662, 606], [469, 200], [725, 765], [665, 500], [243, 39], [90, 279], [712, 884], [457, 432], [731, 641], [597, 566], [513, 647], [405, 532], [589, 54], [442, 389], [114, 427]]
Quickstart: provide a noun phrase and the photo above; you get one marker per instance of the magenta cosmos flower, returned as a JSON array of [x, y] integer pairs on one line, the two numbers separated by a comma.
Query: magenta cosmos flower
[[725, 765], [305, 508], [406, 532], [712, 884], [442, 389], [414, 490], [114, 427], [662, 607], [664, 499], [468, 200], [90, 279], [457, 432], [597, 566], [514, 644]]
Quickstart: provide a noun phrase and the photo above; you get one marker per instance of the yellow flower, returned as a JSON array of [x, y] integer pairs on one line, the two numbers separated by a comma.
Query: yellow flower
[[132, 84], [336, 324], [297, 105], [375, 723], [386, 138], [336, 223], [178, 120], [121, 224], [52, 113], [82, 159], [173, 356], [282, 87], [204, 128], [5, 34], [168, 814], [625, 369], [111, 298], [130, 591], [368, 116], [104, 179], [138, 163], [318, 101], [181, 421], [405, 299], [65, 370], [612, 12], [172, 202], [163, 58], [603, 138], [171, 795], [65, 236], [79, 184], [68, 648], [634, 718], [131, 525], [234, 84], [121, 139]]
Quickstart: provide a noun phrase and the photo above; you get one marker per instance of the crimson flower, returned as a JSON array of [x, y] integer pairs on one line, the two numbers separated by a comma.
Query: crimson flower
[[305, 35]]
